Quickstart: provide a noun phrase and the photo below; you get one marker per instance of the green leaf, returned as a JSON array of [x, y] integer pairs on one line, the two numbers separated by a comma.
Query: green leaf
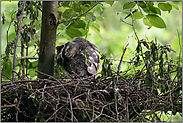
[[141, 4], [154, 51], [151, 7], [76, 7], [174, 5], [137, 15], [100, 18], [78, 24], [158, 10], [147, 10], [110, 2], [156, 21], [129, 5], [83, 31], [147, 22], [96, 26], [161, 64], [73, 32], [65, 3], [8, 68], [96, 29], [67, 13], [165, 6], [91, 17]]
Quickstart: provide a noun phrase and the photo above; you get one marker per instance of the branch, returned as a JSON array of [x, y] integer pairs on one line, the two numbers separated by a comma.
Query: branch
[[75, 18], [180, 46], [16, 41]]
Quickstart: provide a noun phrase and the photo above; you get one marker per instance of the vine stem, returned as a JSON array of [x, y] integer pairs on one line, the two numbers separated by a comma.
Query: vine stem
[[16, 41]]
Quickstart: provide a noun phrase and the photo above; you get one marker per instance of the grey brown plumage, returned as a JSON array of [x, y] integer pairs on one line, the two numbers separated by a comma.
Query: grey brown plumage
[[79, 56]]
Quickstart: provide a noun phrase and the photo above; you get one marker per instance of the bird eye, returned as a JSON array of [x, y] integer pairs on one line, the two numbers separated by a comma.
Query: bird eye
[[68, 50]]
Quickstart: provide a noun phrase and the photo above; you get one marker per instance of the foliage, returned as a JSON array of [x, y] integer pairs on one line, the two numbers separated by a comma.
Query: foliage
[[148, 11]]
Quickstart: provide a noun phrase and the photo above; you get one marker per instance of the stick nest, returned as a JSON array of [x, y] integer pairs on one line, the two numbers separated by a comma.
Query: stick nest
[[115, 98]]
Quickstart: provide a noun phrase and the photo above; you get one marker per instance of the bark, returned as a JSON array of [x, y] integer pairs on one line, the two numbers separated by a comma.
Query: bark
[[48, 38]]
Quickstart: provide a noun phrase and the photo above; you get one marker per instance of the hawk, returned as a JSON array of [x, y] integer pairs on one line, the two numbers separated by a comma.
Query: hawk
[[79, 57]]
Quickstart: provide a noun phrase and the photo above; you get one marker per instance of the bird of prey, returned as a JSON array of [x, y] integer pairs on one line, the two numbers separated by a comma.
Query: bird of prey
[[79, 57]]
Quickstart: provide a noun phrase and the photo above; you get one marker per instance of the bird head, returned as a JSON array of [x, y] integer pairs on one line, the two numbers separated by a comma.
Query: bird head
[[70, 50]]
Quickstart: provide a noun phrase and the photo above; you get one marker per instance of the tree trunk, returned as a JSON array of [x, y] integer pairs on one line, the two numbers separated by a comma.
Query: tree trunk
[[48, 38]]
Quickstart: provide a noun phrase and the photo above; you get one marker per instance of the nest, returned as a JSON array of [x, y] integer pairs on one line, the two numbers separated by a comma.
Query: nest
[[66, 99]]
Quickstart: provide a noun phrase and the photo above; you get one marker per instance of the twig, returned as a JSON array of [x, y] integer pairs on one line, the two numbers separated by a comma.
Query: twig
[[127, 110], [170, 93], [180, 46], [16, 108], [17, 75], [70, 105], [27, 57], [22, 53], [18, 103], [119, 65], [133, 24], [14, 82], [116, 99], [51, 87], [16, 41], [55, 112], [87, 29], [101, 111], [121, 20], [135, 109], [48, 76]]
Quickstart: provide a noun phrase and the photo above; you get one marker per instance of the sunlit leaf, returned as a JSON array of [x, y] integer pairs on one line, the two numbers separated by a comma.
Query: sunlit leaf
[[100, 18], [147, 22], [137, 15], [156, 21], [165, 6], [174, 5]]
